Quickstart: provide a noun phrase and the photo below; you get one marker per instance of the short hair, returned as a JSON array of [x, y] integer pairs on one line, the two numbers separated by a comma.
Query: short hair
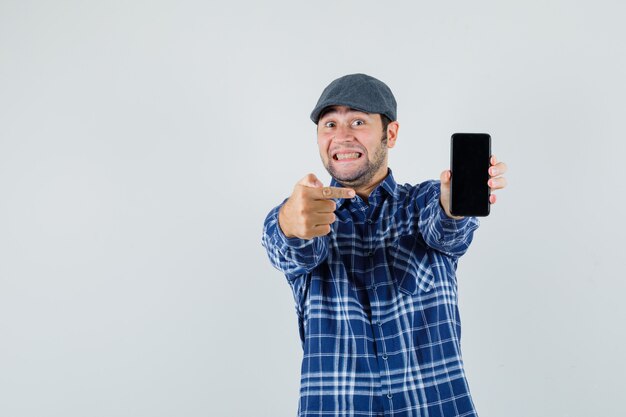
[[386, 120]]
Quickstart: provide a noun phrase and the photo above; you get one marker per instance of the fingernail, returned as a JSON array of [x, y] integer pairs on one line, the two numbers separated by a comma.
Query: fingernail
[[351, 193]]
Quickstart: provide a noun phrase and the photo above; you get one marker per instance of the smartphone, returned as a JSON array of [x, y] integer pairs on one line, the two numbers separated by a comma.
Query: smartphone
[[470, 155]]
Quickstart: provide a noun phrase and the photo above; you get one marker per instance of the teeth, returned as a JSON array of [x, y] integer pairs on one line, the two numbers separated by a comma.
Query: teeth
[[353, 155]]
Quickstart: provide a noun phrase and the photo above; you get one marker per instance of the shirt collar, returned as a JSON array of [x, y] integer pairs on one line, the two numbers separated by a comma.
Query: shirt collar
[[388, 185]]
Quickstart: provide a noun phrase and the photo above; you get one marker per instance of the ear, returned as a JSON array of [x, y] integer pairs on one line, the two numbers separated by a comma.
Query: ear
[[392, 133]]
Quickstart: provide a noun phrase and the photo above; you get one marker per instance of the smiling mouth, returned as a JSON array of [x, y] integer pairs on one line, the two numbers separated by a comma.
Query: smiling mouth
[[344, 156]]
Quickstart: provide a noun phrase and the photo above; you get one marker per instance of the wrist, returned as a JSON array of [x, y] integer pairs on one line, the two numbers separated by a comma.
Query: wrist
[[282, 224], [448, 214]]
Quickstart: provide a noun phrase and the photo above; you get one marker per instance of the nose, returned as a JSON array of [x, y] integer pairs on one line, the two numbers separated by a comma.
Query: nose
[[343, 133]]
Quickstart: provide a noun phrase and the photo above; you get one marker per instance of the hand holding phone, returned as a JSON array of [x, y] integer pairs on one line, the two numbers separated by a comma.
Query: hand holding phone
[[470, 155]]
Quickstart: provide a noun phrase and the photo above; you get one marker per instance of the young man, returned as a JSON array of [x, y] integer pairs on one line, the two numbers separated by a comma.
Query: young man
[[372, 267]]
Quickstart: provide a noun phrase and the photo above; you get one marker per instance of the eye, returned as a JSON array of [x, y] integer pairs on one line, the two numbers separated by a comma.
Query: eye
[[329, 124], [358, 122]]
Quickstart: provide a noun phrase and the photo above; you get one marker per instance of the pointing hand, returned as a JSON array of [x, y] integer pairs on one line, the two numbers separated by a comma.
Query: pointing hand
[[309, 211]]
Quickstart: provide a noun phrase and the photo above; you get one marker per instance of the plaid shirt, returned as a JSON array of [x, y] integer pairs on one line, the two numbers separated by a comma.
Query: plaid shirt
[[376, 301]]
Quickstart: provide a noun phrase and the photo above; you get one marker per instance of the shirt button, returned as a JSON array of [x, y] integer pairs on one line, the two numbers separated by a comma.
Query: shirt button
[[389, 395], [385, 356], [370, 253], [379, 324], [369, 221]]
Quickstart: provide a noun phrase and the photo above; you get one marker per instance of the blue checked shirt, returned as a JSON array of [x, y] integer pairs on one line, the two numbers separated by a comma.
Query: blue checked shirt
[[376, 301]]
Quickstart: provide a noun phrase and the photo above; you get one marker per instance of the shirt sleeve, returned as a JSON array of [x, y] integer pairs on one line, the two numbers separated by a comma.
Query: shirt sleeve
[[441, 232], [291, 256]]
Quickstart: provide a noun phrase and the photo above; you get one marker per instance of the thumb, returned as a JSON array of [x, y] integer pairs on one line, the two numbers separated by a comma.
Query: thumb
[[445, 178], [310, 180]]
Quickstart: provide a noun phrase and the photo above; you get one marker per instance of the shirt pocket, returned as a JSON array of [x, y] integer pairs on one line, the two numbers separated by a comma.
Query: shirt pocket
[[410, 265]]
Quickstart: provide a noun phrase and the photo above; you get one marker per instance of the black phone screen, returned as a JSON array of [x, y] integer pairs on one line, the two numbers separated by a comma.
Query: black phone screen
[[470, 154]]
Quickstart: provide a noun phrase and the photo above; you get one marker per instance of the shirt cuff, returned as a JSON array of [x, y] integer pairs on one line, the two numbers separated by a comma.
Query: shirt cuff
[[448, 223]]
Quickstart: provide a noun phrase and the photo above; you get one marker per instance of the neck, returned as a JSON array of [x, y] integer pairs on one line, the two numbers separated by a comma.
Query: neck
[[364, 191]]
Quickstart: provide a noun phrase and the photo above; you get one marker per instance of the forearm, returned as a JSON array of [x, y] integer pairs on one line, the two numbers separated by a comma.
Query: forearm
[[449, 235]]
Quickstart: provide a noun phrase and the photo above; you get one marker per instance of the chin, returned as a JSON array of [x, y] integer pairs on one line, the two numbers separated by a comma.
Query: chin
[[348, 167], [346, 175], [352, 177]]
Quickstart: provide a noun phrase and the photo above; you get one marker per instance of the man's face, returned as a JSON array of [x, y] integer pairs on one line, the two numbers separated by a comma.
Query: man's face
[[353, 145]]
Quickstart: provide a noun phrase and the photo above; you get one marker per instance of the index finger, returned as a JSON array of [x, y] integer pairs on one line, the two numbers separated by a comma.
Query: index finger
[[327, 193]]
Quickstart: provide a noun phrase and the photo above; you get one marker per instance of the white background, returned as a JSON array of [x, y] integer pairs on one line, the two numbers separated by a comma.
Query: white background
[[142, 143]]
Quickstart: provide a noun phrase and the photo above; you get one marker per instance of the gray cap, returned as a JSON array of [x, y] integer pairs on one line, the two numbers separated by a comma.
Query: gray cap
[[360, 92]]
